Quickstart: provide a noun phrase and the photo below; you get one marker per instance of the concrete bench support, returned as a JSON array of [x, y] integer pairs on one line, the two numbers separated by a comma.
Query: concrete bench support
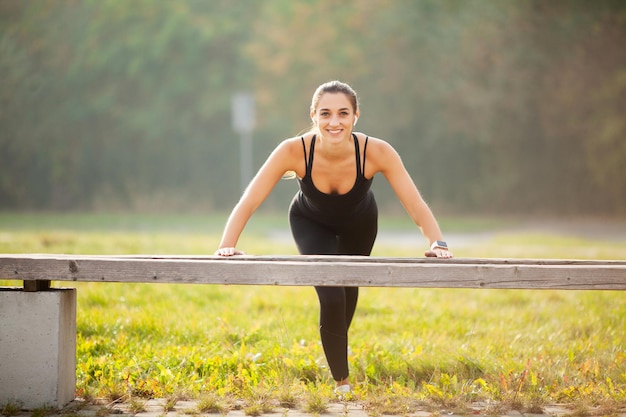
[[37, 347]]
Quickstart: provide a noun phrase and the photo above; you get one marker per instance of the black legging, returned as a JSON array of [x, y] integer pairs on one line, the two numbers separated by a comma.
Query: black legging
[[354, 235]]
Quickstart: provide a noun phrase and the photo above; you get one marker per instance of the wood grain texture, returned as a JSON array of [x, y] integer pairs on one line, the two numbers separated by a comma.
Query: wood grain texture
[[321, 270]]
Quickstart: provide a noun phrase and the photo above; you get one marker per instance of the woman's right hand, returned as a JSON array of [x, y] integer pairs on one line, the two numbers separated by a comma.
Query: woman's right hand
[[229, 252]]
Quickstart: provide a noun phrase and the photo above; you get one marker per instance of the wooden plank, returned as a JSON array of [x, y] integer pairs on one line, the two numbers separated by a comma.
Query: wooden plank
[[327, 258], [321, 270]]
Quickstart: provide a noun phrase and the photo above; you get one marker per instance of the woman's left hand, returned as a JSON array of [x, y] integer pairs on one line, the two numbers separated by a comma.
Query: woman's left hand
[[438, 253], [229, 251]]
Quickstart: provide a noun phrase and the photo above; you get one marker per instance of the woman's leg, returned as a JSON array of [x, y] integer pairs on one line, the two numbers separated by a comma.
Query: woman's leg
[[357, 238], [314, 239], [335, 303]]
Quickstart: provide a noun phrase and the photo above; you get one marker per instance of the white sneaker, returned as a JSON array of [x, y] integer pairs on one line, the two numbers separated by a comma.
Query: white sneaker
[[344, 389]]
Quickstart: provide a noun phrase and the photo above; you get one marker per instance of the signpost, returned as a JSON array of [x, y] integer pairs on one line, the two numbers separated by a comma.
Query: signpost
[[243, 114]]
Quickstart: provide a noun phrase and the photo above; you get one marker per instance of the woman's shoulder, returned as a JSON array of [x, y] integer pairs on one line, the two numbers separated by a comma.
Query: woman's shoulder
[[373, 143], [380, 155], [292, 146], [297, 140]]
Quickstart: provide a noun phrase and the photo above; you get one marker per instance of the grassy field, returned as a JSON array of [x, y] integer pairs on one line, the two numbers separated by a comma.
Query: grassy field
[[258, 347]]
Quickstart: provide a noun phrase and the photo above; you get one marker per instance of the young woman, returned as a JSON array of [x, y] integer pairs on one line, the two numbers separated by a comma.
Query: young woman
[[334, 212]]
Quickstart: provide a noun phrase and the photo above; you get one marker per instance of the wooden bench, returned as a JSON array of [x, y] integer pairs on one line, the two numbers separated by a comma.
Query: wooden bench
[[37, 333], [38, 270]]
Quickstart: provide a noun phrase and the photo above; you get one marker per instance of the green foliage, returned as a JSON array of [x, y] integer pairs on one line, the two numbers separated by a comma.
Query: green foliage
[[211, 403], [125, 100], [10, 409], [316, 402], [516, 106]]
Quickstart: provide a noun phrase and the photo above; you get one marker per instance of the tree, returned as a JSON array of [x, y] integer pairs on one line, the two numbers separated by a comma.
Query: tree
[[494, 106]]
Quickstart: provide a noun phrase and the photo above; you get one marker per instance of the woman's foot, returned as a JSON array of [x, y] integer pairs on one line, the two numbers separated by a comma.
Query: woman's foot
[[343, 388]]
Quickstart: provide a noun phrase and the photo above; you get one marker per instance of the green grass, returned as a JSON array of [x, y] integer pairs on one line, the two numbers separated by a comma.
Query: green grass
[[256, 348]]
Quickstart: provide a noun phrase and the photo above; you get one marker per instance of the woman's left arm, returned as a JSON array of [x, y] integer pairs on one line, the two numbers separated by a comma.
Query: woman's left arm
[[387, 161]]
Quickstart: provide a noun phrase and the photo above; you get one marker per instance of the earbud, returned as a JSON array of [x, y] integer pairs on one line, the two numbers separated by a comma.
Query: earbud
[[356, 119]]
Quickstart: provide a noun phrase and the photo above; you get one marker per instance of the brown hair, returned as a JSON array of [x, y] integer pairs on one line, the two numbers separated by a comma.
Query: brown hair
[[334, 87]]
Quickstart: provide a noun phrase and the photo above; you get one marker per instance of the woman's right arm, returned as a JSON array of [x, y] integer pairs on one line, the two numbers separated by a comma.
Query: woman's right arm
[[385, 159], [283, 158]]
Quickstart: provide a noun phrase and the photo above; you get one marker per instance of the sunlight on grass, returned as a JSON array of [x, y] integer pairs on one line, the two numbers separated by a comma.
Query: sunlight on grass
[[442, 347]]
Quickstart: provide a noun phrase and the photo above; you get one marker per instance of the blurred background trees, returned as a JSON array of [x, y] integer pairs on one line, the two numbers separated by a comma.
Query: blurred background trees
[[496, 107]]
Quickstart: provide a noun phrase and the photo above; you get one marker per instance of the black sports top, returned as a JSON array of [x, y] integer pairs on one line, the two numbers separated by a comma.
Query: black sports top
[[335, 205]]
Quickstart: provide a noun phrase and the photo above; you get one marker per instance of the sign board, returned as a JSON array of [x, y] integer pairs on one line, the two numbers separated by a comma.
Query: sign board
[[243, 112]]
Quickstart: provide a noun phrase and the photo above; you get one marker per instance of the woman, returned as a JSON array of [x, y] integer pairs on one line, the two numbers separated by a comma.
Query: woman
[[334, 213]]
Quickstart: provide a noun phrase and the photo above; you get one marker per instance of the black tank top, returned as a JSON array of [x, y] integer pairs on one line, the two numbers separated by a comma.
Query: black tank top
[[335, 205]]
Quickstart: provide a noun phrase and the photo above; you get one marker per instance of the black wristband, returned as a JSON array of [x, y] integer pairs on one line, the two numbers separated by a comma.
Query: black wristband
[[439, 244]]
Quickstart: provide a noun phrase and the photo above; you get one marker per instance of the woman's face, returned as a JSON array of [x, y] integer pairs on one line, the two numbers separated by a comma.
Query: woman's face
[[334, 116]]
